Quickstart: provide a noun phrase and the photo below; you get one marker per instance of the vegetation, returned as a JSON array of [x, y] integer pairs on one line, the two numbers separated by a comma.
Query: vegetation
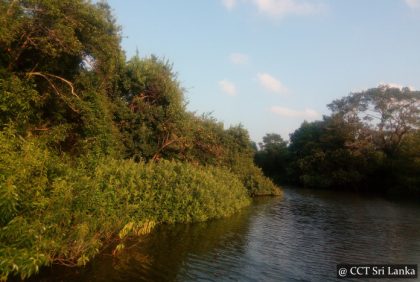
[[94, 147], [57, 213], [369, 143]]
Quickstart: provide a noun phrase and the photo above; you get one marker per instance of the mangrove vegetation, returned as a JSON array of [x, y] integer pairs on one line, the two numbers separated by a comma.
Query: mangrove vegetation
[[370, 143], [95, 147]]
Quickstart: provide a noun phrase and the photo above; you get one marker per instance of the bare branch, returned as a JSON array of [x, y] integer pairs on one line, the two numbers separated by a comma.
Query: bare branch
[[165, 144], [46, 77], [57, 77]]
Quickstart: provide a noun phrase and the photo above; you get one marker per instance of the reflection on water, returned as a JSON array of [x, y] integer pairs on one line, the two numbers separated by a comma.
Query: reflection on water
[[300, 237]]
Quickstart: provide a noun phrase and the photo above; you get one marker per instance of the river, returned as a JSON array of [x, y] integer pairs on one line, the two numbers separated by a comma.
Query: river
[[298, 237]]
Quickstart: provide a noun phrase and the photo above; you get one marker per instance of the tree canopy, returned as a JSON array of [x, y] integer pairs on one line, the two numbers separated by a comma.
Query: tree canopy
[[366, 144], [384, 115]]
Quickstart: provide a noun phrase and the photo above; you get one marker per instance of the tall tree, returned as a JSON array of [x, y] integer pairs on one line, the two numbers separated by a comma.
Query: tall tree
[[58, 65], [156, 110], [385, 115]]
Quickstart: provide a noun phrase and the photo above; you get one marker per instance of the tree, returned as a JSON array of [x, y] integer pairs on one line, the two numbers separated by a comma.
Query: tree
[[384, 115], [43, 37], [368, 143], [321, 158], [58, 65], [273, 157], [155, 114]]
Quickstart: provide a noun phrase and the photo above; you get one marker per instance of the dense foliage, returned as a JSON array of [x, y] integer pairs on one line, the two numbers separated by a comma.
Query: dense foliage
[[94, 147], [369, 143], [55, 212]]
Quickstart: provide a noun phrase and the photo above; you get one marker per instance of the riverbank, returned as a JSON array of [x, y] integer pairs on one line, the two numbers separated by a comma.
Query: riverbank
[[300, 236], [57, 210]]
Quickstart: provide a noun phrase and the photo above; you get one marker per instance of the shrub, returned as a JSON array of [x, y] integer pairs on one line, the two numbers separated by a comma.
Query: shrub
[[253, 178], [170, 191], [56, 211]]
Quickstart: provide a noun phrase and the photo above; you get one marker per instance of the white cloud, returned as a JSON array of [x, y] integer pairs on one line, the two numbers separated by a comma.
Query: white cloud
[[413, 4], [272, 84], [238, 58], [309, 114], [229, 4], [228, 87], [281, 8]]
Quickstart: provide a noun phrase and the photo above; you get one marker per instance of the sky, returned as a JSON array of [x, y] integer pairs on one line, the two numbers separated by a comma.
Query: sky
[[271, 64]]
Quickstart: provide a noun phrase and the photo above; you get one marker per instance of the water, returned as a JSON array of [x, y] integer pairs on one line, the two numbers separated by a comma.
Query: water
[[300, 237]]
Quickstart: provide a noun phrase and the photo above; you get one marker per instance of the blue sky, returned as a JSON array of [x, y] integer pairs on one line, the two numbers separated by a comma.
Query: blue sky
[[270, 64]]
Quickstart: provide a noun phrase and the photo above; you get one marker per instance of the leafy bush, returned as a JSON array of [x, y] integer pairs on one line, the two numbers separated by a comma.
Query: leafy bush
[[170, 191], [253, 178], [56, 211]]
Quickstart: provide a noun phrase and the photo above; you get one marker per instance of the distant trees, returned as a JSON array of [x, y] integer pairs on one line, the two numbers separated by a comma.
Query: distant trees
[[383, 116], [321, 159], [273, 156], [366, 144]]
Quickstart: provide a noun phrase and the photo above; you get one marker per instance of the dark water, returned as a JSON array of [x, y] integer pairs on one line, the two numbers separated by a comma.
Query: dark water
[[300, 237]]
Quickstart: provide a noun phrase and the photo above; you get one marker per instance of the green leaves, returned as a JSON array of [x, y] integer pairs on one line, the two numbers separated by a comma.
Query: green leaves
[[153, 126], [367, 144], [78, 122], [18, 101], [170, 191], [64, 213], [53, 36], [8, 201], [137, 228], [383, 115]]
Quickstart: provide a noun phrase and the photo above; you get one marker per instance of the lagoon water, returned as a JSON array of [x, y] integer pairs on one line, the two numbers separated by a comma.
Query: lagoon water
[[299, 237]]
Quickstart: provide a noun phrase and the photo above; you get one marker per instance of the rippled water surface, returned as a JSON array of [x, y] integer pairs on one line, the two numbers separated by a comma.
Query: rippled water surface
[[300, 237]]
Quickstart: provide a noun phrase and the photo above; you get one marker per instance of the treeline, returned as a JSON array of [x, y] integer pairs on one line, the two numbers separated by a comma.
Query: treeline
[[94, 147], [370, 143]]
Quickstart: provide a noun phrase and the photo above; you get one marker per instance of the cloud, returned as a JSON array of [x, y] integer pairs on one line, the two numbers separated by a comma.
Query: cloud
[[228, 87], [272, 84], [309, 114], [413, 4], [281, 8], [229, 4], [238, 58]]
